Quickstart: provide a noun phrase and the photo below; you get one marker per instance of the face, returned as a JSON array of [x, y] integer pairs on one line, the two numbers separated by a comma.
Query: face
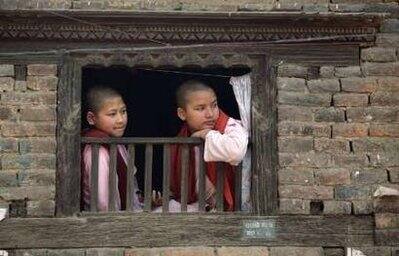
[[201, 110], [111, 118]]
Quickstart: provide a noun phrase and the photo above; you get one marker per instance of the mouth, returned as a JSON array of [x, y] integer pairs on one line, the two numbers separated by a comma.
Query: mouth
[[210, 123]]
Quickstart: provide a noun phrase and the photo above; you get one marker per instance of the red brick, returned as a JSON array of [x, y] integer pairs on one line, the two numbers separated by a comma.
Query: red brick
[[327, 72], [385, 99], [37, 145], [350, 100], [362, 207], [357, 84], [347, 160], [293, 113], [346, 192], [44, 208], [373, 114], [294, 206], [289, 70], [36, 178], [42, 70], [296, 176], [332, 176], [32, 193], [6, 84], [305, 159], [7, 70], [291, 84], [28, 161], [371, 176], [306, 192], [329, 115], [8, 145], [349, 130], [388, 83], [386, 220], [387, 40], [304, 129], [331, 145], [240, 251], [375, 145], [378, 54], [393, 174], [381, 69], [46, 98], [27, 129], [296, 251], [295, 144], [304, 99], [347, 71], [171, 251], [38, 114], [323, 85], [384, 130], [42, 83], [337, 207], [385, 159], [5, 113]]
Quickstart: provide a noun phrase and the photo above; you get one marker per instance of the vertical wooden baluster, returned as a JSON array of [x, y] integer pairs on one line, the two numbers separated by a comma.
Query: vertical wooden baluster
[[201, 180], [166, 178], [184, 177], [219, 187], [112, 181], [94, 177], [238, 187], [130, 179], [148, 177]]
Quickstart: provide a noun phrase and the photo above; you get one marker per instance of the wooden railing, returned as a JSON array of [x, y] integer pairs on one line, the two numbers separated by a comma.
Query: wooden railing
[[149, 143]]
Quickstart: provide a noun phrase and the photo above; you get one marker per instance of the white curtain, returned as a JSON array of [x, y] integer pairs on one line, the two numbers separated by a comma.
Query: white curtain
[[242, 91]]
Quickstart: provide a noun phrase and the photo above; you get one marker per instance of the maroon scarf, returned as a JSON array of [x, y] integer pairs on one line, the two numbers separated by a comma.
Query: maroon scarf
[[121, 168], [228, 188]]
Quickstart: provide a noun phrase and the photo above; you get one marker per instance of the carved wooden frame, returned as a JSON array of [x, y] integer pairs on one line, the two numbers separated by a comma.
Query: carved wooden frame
[[263, 123]]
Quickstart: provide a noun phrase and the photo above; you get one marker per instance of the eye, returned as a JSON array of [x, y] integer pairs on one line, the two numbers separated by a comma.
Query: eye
[[201, 108]]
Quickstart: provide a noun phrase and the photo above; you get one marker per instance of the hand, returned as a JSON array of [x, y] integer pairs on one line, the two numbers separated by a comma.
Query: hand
[[201, 133], [156, 199]]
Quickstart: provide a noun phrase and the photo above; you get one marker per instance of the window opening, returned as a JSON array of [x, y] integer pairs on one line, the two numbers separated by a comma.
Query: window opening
[[150, 98]]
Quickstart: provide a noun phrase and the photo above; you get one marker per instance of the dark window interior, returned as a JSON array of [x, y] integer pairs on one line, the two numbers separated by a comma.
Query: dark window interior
[[150, 98]]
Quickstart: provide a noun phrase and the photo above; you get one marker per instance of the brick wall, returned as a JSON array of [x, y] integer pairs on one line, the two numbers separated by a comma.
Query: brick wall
[[27, 139], [338, 128]]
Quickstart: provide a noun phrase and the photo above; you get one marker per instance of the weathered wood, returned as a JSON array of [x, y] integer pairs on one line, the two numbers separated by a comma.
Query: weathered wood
[[112, 177], [219, 186], [237, 187], [143, 140], [184, 186], [94, 177], [68, 130], [264, 134], [145, 230], [130, 190], [201, 180], [148, 177], [166, 178]]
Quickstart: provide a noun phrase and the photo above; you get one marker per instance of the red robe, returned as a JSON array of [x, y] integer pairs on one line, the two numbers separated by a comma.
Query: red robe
[[228, 187]]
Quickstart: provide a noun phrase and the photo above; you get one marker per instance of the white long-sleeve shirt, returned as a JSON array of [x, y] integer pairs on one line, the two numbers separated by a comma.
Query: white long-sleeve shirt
[[230, 146]]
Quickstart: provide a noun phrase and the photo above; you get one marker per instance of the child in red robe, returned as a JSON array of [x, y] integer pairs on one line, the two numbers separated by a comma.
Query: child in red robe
[[225, 139]]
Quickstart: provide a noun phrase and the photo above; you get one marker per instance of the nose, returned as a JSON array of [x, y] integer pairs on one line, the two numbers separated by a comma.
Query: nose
[[119, 118], [209, 113]]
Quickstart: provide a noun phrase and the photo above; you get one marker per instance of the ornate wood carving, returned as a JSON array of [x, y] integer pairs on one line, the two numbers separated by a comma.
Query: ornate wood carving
[[177, 27]]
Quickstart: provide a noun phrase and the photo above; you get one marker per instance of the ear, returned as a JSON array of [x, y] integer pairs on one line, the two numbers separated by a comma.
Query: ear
[[91, 118], [181, 114]]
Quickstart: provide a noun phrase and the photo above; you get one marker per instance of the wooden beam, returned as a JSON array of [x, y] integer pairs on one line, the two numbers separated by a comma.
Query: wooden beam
[[156, 230]]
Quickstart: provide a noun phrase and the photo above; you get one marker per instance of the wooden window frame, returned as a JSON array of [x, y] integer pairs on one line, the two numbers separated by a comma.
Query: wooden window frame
[[263, 62]]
